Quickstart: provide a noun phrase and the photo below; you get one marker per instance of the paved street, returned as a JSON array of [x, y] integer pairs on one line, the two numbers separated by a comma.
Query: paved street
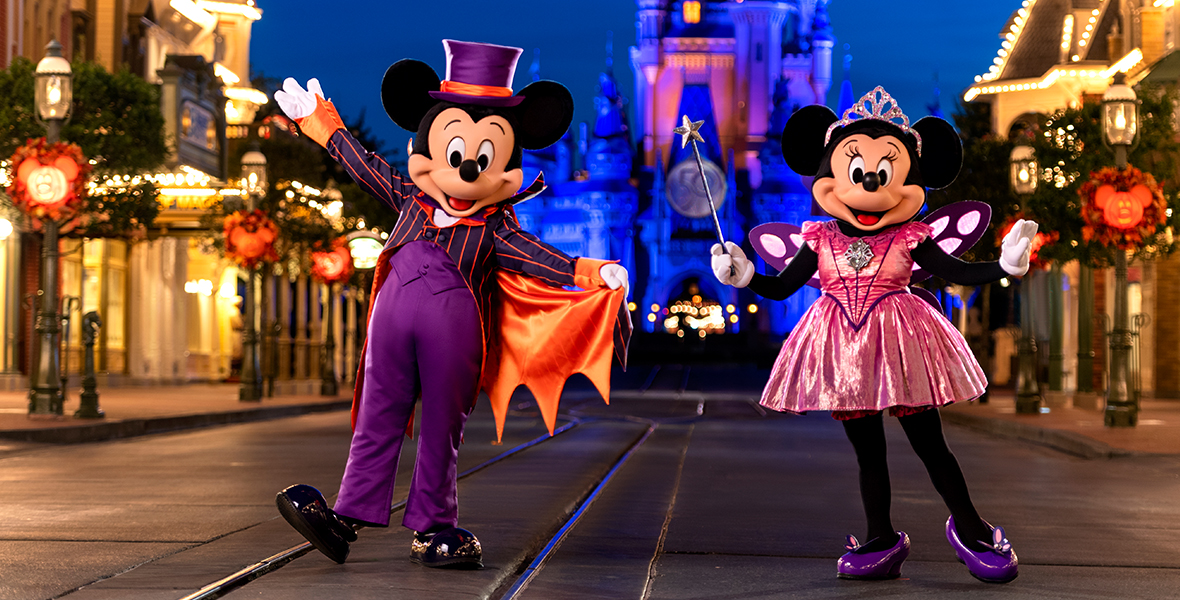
[[715, 500]]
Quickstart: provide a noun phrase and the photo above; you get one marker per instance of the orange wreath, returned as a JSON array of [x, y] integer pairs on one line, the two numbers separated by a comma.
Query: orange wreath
[[1122, 208], [48, 180], [334, 265], [250, 238], [1042, 238]]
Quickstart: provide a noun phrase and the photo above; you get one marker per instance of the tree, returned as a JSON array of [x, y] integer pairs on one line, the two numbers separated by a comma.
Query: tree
[[984, 176], [1068, 145]]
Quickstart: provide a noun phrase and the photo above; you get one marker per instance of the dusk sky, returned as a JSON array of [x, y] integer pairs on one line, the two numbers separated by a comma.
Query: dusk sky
[[900, 45]]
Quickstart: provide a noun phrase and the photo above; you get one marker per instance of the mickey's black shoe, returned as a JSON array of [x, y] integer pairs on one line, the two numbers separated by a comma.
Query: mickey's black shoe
[[305, 508], [454, 547]]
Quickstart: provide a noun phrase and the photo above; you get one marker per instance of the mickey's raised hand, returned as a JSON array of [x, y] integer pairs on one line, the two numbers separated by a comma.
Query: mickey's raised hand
[[1017, 247], [733, 268], [296, 102], [614, 275]]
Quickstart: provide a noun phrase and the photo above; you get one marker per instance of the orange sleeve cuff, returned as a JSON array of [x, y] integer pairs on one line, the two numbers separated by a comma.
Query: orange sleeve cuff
[[321, 124], [586, 275]]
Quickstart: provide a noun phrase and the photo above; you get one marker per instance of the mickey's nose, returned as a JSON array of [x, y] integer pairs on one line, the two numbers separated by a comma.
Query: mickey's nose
[[871, 182], [469, 170]]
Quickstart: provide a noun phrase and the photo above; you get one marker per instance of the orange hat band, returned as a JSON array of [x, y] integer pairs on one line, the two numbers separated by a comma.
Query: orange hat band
[[471, 89]]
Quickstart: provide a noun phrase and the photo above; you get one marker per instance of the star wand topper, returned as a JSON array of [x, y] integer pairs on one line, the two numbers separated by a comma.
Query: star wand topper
[[690, 131]]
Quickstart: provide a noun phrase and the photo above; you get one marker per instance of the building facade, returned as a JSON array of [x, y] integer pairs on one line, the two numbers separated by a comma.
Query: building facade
[[1055, 54]]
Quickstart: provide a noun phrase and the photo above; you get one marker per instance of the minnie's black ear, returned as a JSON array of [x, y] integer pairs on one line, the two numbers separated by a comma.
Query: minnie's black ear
[[942, 152], [803, 138], [405, 92], [544, 115]]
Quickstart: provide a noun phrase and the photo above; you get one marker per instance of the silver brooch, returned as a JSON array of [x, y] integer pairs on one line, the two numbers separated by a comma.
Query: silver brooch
[[858, 255]]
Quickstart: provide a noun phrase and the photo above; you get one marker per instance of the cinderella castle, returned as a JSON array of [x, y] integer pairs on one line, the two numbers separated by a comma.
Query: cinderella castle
[[629, 192]]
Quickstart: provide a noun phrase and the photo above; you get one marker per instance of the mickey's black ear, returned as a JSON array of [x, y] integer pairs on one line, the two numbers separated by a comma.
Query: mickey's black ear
[[803, 138], [405, 92], [942, 152], [544, 115]]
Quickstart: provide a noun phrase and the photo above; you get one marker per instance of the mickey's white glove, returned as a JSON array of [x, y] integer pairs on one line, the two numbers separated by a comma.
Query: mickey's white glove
[[296, 102], [742, 269], [1016, 247], [614, 275]]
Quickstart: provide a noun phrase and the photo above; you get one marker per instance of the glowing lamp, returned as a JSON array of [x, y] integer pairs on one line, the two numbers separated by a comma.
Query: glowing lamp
[[1123, 210], [53, 91], [1023, 170], [254, 172], [365, 248], [1120, 115], [48, 186]]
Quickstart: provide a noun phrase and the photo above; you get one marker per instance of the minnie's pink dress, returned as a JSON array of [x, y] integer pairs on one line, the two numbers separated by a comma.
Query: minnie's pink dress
[[869, 344]]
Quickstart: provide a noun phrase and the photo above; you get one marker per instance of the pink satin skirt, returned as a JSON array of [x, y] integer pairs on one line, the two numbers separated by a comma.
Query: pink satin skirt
[[904, 354]]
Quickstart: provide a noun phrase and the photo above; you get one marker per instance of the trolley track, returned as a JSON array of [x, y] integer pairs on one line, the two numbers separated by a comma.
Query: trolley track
[[240, 578]]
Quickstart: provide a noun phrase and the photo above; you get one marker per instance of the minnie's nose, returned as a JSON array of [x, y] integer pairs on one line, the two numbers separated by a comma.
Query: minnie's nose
[[871, 182]]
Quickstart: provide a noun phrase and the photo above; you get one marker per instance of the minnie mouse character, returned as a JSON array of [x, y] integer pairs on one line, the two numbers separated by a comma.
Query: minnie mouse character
[[463, 298], [868, 344]]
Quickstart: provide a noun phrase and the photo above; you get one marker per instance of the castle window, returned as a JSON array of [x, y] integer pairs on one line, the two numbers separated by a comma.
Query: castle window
[[692, 11]]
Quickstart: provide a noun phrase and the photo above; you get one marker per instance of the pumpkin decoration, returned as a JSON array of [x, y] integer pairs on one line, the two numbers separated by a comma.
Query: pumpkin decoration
[[49, 180], [250, 238], [1122, 208], [334, 265]]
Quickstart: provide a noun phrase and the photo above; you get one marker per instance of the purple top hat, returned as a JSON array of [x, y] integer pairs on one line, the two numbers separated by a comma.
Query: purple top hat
[[479, 74]]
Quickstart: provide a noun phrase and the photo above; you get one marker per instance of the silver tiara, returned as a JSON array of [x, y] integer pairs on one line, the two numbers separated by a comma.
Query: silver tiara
[[877, 100]]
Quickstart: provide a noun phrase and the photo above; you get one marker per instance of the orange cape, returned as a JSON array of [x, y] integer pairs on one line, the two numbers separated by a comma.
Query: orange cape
[[542, 335]]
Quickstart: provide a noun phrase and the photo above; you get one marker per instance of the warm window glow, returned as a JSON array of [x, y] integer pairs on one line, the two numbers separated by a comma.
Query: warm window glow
[[692, 12]]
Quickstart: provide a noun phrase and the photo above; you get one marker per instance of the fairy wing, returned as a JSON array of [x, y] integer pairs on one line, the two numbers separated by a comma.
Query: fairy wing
[[956, 227], [777, 243]]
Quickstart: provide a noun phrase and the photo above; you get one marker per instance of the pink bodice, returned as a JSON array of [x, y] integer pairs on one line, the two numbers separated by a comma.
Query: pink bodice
[[884, 261]]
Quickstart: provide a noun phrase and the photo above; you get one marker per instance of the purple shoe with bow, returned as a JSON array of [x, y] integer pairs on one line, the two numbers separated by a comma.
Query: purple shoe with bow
[[996, 564], [885, 564]]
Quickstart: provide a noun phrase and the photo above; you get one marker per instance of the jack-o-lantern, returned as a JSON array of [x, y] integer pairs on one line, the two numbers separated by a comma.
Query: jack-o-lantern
[[1123, 210]]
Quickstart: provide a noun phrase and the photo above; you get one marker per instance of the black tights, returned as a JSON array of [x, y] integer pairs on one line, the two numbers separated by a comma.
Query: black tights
[[924, 431]]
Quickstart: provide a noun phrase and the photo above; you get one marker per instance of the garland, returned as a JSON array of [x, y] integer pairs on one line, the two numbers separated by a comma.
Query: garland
[[334, 265], [1122, 208], [48, 180], [250, 238]]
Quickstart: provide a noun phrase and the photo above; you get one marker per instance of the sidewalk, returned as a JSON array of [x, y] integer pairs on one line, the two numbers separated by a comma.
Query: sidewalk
[[1072, 429], [132, 411]]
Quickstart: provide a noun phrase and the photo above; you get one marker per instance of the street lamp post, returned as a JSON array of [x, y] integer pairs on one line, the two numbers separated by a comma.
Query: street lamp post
[[1028, 393], [328, 356], [1120, 122], [254, 178], [53, 93]]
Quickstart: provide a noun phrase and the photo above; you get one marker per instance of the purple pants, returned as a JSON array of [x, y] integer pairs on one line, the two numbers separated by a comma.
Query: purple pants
[[424, 339]]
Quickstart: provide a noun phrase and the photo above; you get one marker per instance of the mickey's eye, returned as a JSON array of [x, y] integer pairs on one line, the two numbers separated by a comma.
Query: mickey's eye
[[487, 153], [456, 150], [856, 170], [885, 171]]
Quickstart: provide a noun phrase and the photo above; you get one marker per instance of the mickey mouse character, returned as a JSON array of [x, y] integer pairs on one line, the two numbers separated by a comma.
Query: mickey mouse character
[[868, 344], [463, 298]]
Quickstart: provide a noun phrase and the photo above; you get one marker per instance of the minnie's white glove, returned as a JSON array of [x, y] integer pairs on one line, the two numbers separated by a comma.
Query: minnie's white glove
[[733, 268], [614, 275], [1016, 247], [296, 102]]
